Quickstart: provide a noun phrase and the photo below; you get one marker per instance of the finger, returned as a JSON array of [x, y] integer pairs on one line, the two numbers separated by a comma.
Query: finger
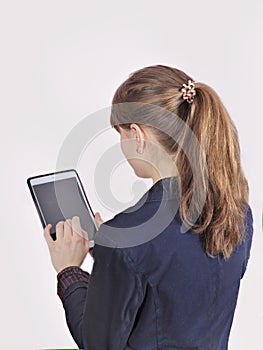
[[47, 235], [98, 219], [85, 235], [60, 230], [76, 228], [68, 228], [86, 241]]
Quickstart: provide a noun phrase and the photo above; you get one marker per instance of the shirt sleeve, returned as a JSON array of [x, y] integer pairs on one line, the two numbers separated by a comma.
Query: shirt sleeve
[[101, 313], [72, 289]]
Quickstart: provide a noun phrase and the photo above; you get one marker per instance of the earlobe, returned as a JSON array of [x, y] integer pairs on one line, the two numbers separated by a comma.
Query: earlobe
[[140, 146], [139, 136]]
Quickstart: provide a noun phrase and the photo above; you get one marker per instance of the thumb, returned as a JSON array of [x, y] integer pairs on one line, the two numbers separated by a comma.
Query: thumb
[[98, 219]]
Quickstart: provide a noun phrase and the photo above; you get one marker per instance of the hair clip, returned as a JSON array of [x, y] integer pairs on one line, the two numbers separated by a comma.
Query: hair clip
[[189, 91]]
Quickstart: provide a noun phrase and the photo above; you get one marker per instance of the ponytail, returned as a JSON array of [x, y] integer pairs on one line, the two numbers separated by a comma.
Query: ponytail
[[222, 219]]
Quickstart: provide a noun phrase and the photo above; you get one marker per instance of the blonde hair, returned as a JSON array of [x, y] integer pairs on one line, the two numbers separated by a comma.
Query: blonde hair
[[221, 220]]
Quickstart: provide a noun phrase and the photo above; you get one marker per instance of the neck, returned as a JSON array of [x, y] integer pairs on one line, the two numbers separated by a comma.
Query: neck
[[156, 178], [164, 167]]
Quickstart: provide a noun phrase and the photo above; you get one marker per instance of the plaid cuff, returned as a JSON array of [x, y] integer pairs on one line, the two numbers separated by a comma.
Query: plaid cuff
[[69, 276]]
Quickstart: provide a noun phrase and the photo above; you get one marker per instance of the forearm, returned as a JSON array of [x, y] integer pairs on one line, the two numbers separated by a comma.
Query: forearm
[[72, 290]]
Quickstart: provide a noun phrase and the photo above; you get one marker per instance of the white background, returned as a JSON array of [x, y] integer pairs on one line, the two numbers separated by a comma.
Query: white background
[[61, 61]]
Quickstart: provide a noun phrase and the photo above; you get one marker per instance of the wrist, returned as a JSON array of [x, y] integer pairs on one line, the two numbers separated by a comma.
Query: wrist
[[66, 268]]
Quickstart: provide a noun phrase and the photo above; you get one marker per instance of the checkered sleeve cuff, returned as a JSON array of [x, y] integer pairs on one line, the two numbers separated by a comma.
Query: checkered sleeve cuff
[[68, 276]]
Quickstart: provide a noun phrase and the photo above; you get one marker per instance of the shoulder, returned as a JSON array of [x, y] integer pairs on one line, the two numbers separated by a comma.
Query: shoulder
[[146, 238], [249, 225], [249, 222], [249, 216], [135, 225]]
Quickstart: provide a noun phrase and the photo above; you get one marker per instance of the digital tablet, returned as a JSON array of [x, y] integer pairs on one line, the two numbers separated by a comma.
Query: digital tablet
[[59, 196]]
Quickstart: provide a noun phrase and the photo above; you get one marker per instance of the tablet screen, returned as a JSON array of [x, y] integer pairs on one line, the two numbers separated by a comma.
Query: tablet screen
[[62, 200]]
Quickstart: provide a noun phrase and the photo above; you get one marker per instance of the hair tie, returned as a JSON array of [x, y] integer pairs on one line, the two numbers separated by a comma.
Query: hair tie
[[189, 91]]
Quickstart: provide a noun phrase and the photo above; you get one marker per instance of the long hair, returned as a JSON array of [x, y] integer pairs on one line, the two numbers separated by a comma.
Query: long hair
[[221, 220]]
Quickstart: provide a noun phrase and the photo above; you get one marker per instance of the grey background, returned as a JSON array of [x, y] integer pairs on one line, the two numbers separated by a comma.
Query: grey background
[[63, 60]]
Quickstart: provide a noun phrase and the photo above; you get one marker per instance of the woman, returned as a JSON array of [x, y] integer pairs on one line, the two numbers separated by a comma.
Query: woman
[[166, 271]]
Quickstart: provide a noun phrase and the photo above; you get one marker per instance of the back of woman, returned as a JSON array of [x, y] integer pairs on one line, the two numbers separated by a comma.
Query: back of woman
[[167, 271], [174, 295]]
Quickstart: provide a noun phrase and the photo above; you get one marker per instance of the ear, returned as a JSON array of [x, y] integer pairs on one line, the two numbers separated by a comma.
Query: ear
[[138, 132], [140, 136]]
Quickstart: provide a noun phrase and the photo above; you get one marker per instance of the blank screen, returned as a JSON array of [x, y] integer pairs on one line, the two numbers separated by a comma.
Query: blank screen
[[63, 201]]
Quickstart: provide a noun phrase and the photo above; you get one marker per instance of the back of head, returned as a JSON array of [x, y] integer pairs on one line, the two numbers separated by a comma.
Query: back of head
[[221, 217]]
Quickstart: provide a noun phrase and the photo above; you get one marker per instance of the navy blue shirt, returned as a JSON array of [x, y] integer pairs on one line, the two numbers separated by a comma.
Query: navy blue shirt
[[164, 293]]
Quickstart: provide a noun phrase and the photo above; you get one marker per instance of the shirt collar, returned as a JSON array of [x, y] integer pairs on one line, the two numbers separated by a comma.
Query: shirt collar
[[165, 188]]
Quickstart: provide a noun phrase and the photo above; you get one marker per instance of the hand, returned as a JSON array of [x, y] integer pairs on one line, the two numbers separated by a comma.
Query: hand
[[98, 219], [71, 245]]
